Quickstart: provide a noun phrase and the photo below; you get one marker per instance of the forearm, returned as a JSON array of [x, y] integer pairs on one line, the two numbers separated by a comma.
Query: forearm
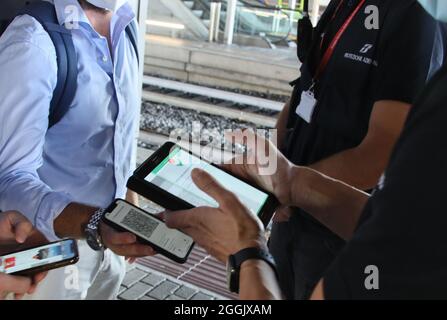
[[25, 193], [363, 165], [73, 220], [258, 282], [356, 167], [335, 204]]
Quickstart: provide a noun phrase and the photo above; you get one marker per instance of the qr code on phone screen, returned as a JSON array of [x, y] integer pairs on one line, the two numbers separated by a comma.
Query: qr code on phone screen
[[140, 223]]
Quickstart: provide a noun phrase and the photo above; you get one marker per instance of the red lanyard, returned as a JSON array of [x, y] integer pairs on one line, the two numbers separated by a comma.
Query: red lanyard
[[330, 50]]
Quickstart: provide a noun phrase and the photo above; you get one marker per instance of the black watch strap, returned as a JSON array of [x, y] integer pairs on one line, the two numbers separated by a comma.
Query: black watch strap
[[239, 258]]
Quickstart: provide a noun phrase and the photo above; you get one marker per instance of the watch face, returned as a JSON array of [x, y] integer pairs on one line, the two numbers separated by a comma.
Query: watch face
[[93, 239]]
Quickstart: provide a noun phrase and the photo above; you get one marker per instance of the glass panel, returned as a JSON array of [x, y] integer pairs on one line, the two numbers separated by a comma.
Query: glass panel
[[276, 25]]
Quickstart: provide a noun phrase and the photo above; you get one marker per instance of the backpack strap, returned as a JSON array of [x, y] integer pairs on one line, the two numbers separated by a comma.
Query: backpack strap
[[132, 33], [67, 72]]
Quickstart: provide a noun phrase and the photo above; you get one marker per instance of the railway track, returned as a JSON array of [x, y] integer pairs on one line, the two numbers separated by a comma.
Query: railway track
[[150, 141], [258, 111], [171, 106]]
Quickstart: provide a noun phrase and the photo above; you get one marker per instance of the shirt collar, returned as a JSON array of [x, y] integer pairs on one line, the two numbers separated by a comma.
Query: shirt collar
[[71, 11]]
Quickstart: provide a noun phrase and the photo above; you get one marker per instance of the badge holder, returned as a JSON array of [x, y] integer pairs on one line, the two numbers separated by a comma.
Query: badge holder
[[306, 108]]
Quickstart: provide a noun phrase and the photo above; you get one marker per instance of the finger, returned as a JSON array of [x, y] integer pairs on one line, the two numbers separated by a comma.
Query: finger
[[210, 186], [114, 237], [235, 166], [131, 260], [133, 250], [32, 289], [181, 219], [161, 215], [21, 226], [122, 238], [39, 277], [18, 285]]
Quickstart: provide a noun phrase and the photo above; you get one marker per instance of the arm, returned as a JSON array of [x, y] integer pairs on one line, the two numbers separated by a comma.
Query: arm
[[23, 137], [362, 166], [332, 202], [27, 82], [335, 204], [258, 282]]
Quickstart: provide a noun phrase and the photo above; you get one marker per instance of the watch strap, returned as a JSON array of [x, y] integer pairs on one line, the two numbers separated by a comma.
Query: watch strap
[[240, 257], [95, 219], [93, 236]]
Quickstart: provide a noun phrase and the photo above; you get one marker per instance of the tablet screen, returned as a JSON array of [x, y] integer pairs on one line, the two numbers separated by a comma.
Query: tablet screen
[[173, 175]]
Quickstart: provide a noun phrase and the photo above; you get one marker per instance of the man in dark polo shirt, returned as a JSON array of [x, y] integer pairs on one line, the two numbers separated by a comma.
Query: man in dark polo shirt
[[397, 246], [367, 62]]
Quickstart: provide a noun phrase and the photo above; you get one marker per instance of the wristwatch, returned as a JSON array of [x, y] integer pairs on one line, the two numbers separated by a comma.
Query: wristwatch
[[235, 262], [92, 231]]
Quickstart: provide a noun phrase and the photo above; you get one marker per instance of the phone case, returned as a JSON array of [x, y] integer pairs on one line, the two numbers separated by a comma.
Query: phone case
[[48, 267]]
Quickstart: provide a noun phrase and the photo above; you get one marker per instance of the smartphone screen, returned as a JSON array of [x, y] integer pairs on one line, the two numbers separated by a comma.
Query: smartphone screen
[[38, 257], [173, 174], [151, 229]]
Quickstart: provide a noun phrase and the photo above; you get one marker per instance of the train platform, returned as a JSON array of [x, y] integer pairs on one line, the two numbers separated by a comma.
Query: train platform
[[218, 65]]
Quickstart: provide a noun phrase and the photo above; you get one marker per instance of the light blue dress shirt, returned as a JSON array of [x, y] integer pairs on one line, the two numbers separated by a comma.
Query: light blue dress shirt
[[88, 156]]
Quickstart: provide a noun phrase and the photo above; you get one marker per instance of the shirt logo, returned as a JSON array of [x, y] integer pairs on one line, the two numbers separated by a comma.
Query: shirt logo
[[366, 48], [362, 55]]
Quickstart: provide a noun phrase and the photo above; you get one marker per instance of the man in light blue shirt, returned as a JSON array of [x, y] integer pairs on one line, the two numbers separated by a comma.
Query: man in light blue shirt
[[59, 177]]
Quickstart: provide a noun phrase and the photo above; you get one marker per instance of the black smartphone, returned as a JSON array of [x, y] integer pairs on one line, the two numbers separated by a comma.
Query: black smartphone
[[41, 258], [150, 230], [165, 178]]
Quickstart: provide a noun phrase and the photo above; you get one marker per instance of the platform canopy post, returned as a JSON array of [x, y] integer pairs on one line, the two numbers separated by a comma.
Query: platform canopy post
[[230, 22]]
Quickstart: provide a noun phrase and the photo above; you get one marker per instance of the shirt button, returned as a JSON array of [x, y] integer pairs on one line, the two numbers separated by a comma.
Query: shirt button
[[104, 58]]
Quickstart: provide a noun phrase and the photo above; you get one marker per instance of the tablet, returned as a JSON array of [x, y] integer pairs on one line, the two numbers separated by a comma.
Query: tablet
[[165, 178]]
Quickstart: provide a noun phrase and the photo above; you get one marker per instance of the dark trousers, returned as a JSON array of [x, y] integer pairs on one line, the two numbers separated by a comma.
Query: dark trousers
[[303, 250]]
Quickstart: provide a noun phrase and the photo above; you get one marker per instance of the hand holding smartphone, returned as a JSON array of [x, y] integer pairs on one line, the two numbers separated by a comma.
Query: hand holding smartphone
[[41, 258], [150, 230]]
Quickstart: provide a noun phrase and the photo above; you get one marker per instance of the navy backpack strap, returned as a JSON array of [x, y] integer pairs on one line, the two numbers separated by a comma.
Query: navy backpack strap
[[132, 33], [67, 73]]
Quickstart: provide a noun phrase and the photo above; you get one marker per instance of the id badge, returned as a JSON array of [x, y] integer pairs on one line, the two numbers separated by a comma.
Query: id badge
[[307, 106]]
